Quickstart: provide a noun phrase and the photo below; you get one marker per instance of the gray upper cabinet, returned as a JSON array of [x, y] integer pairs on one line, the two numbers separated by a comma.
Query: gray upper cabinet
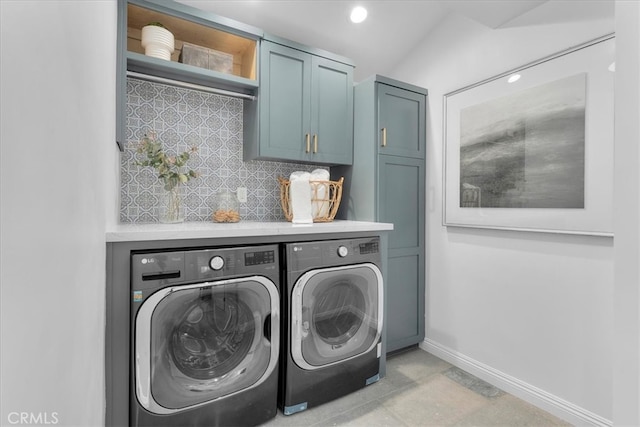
[[304, 109], [284, 105], [387, 183], [331, 112], [401, 114]]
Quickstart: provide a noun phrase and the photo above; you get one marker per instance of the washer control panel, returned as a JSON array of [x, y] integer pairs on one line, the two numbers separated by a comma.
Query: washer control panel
[[149, 270]]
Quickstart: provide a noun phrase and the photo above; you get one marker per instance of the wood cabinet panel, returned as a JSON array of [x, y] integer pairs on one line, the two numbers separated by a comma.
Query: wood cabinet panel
[[401, 202], [402, 116], [284, 106], [332, 112], [402, 199], [403, 325]]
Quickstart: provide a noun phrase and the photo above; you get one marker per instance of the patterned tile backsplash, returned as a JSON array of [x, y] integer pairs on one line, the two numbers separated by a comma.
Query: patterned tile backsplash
[[183, 118]]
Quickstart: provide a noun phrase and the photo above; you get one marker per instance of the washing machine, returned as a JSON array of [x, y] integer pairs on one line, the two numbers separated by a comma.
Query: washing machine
[[205, 338], [332, 320]]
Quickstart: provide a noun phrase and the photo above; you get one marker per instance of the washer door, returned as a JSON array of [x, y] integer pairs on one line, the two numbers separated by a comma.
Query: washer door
[[336, 314], [198, 343]]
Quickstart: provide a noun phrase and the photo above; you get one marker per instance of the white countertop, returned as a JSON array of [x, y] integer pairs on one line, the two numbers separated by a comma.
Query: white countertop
[[205, 230]]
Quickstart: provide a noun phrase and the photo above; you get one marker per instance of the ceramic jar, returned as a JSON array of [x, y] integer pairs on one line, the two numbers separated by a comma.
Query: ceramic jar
[[157, 42]]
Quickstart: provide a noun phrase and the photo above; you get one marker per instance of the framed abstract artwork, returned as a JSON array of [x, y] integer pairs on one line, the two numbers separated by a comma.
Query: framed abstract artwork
[[532, 149]]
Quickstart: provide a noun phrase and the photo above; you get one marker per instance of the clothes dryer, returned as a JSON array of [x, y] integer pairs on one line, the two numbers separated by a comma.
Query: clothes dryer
[[205, 338], [333, 300]]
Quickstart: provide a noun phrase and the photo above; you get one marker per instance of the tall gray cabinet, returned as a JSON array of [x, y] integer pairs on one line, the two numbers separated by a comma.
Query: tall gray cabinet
[[387, 183]]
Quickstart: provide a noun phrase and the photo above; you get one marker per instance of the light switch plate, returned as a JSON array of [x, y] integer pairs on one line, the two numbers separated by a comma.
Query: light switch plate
[[242, 194]]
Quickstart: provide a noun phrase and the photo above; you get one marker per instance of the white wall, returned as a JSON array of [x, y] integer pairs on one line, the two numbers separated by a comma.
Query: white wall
[[57, 136], [531, 312], [626, 387]]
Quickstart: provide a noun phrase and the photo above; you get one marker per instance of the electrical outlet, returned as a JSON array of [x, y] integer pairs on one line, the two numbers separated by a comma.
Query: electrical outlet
[[242, 194]]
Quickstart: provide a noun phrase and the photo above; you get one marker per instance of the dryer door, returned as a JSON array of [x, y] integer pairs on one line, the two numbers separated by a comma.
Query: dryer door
[[197, 343], [336, 314]]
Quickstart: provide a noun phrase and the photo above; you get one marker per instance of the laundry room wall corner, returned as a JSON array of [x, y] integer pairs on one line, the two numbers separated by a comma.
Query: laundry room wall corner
[[58, 135]]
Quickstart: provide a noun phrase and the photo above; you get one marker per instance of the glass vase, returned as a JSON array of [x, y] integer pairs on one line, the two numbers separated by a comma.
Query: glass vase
[[171, 209]]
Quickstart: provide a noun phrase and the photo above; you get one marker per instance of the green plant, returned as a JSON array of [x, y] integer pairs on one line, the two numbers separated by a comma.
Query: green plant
[[171, 169]]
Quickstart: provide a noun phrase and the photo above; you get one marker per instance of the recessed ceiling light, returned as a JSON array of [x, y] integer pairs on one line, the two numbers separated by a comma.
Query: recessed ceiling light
[[358, 14], [514, 78]]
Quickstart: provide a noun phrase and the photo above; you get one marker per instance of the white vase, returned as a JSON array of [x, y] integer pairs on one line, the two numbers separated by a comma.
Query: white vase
[[157, 42]]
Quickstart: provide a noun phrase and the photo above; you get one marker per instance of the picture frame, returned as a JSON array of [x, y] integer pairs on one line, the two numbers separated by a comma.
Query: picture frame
[[534, 153]]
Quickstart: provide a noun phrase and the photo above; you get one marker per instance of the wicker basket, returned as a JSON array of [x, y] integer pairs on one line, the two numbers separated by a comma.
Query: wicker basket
[[324, 208]]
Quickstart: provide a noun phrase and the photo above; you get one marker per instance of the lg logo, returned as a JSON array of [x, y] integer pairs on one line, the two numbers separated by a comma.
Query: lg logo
[[30, 418]]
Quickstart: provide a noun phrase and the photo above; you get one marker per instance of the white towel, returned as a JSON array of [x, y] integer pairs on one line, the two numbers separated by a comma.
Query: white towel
[[320, 206], [299, 199]]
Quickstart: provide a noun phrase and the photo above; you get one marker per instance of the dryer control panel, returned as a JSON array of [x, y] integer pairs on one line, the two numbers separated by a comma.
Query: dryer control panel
[[305, 255], [370, 247]]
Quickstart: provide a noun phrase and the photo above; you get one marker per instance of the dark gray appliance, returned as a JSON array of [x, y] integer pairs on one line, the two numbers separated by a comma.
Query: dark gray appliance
[[332, 319], [205, 337]]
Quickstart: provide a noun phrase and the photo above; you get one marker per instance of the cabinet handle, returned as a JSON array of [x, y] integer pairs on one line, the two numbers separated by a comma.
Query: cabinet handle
[[315, 143], [308, 144], [384, 137]]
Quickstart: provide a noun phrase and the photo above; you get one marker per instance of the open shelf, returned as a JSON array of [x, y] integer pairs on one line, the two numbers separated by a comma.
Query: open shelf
[[187, 73], [242, 76]]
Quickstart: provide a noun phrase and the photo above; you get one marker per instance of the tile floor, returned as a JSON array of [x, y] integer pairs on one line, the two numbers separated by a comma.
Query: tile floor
[[423, 390]]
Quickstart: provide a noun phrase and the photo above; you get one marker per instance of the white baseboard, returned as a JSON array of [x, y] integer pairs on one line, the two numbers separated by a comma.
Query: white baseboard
[[540, 398]]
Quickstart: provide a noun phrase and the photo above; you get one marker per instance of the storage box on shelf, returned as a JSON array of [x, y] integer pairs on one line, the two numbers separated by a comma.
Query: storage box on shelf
[[203, 57]]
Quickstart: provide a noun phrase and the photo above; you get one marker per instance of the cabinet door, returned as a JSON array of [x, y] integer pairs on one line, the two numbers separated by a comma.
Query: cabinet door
[[331, 112], [401, 120], [285, 84], [401, 202]]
